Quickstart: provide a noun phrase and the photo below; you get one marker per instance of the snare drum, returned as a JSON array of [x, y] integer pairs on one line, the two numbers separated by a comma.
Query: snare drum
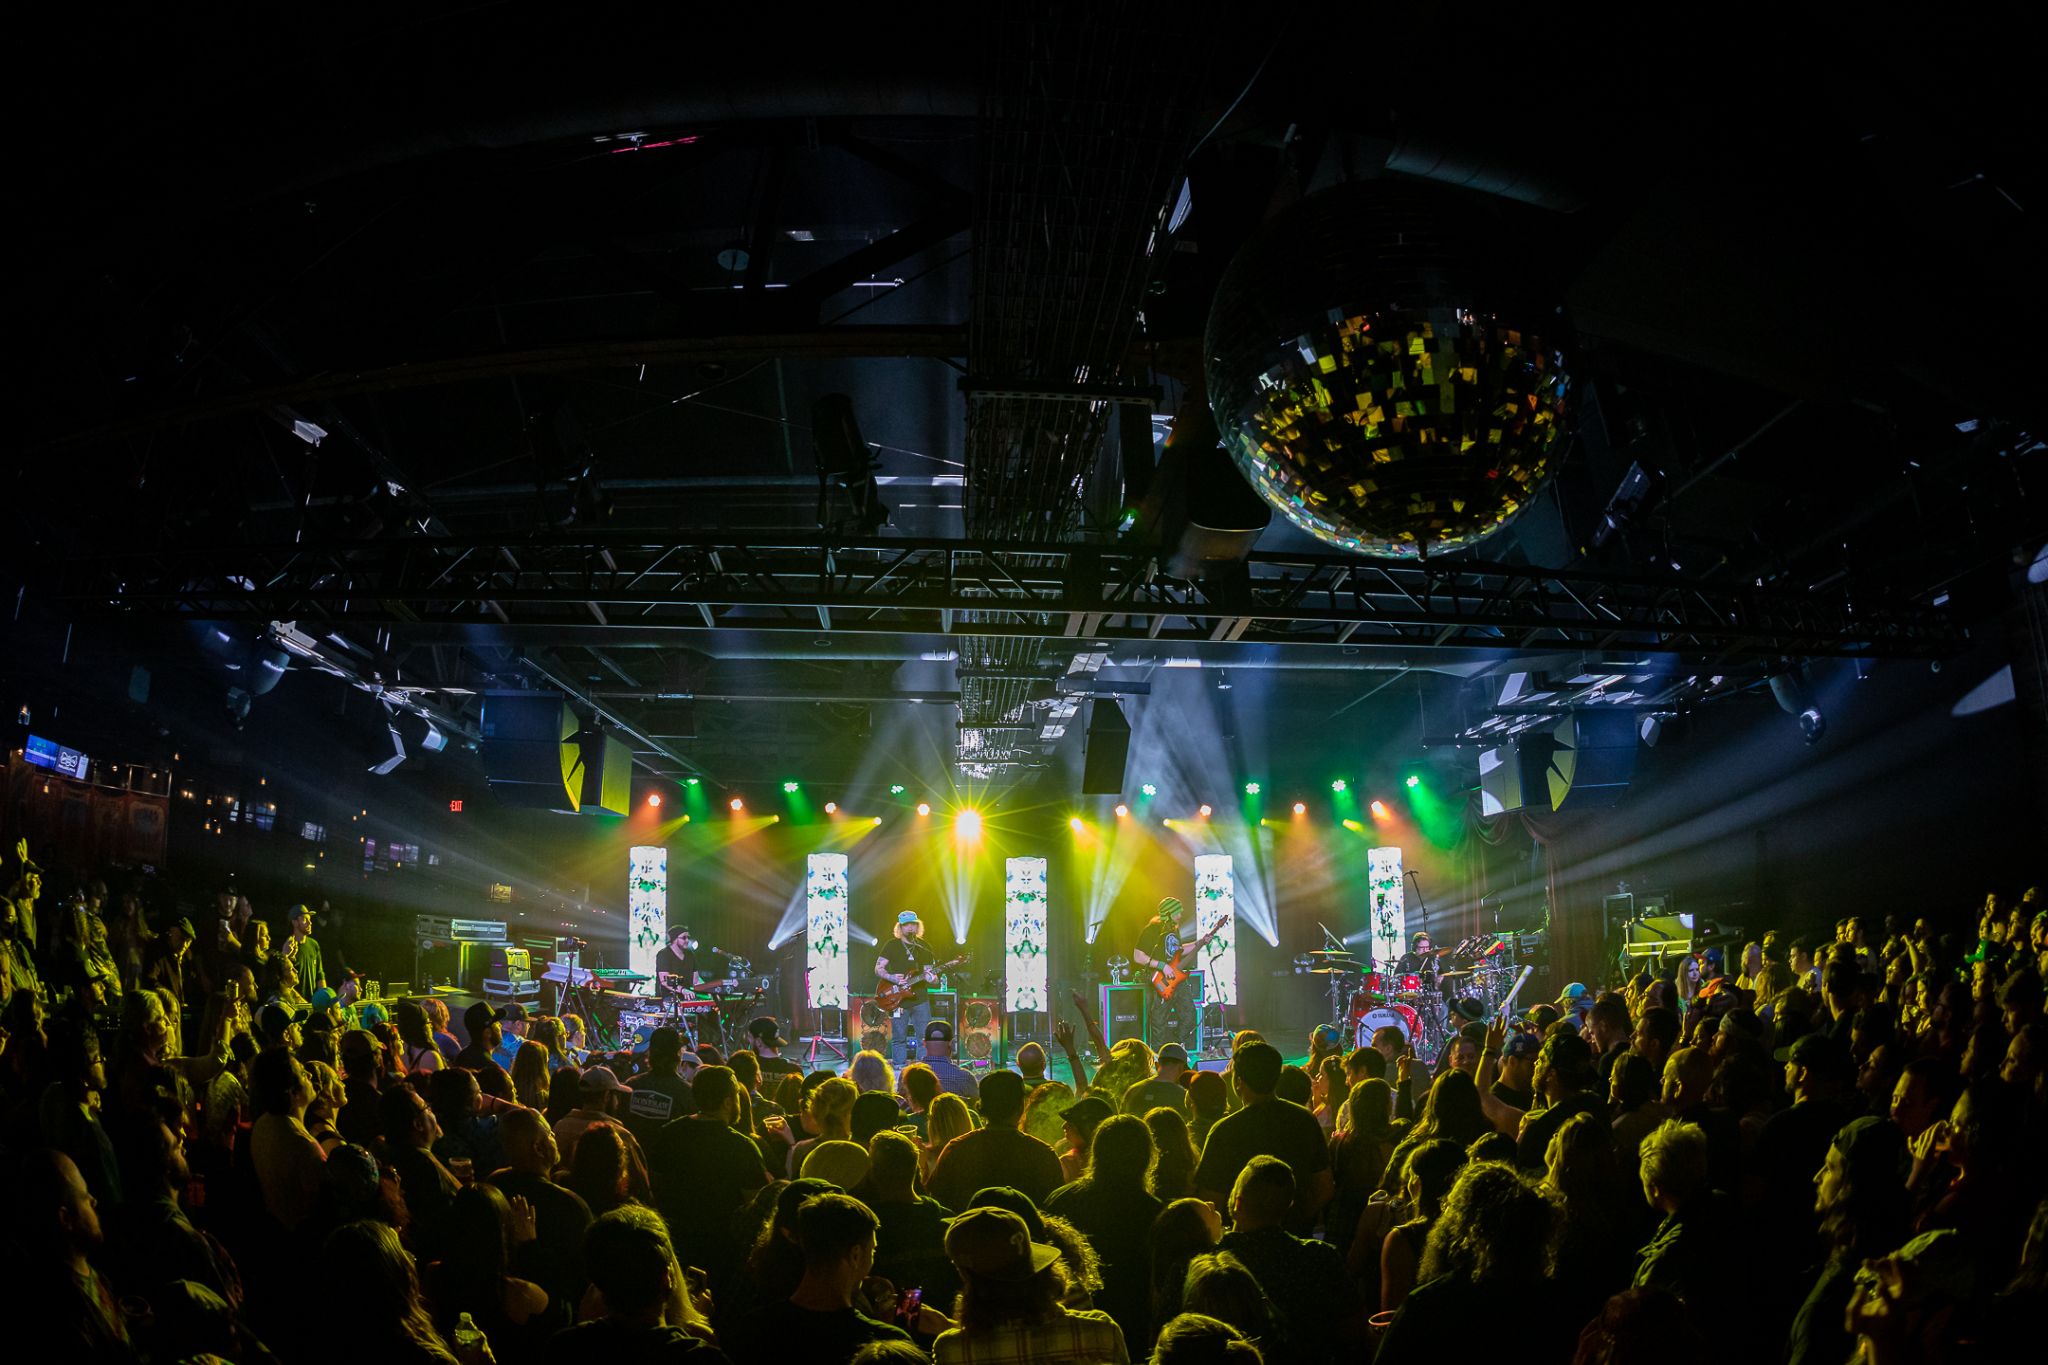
[[1398, 1017], [1411, 982]]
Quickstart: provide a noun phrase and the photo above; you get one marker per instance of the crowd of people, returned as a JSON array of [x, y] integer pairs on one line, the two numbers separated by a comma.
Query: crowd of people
[[1814, 1153]]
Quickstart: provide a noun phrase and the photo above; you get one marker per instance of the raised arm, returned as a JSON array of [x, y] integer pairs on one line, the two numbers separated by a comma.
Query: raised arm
[[1504, 1117], [1063, 1034]]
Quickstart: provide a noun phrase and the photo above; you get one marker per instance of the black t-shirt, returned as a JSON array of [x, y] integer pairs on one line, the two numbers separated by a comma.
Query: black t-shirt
[[610, 1340], [1307, 1283], [997, 1155], [780, 1066], [1117, 1221], [703, 1170], [554, 1258], [783, 1332], [1159, 943], [905, 956], [1514, 1099], [1532, 1149], [1272, 1127], [682, 966]]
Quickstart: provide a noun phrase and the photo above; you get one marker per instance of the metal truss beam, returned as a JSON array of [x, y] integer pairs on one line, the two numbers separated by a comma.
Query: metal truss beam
[[1026, 591]]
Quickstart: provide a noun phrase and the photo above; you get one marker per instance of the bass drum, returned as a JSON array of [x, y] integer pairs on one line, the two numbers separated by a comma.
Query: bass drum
[[1398, 1017]]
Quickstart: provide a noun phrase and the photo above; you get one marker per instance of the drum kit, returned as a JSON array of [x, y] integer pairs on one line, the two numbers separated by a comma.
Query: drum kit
[[1426, 1006]]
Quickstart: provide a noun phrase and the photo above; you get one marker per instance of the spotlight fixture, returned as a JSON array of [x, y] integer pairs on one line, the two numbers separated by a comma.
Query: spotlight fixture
[[1301, 808], [831, 808], [897, 789], [1251, 789], [1812, 725], [1379, 810], [924, 808], [967, 824], [1204, 811], [1340, 786], [876, 820], [737, 804], [690, 781], [654, 800], [1122, 811], [789, 789], [1075, 824], [1413, 782], [1148, 789]]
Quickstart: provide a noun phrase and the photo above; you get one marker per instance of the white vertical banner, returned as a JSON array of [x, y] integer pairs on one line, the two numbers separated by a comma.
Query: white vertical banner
[[1024, 935], [646, 909], [826, 929], [1216, 904], [1387, 902]]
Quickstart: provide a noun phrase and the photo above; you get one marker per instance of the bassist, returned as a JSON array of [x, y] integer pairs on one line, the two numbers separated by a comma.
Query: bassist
[[903, 961], [1175, 1004]]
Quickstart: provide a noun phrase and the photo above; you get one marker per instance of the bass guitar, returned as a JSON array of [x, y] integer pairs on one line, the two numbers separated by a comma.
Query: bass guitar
[[1167, 976], [889, 998]]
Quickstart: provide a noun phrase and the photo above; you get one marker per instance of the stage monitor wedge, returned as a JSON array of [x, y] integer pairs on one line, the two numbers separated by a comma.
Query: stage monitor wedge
[[529, 750]]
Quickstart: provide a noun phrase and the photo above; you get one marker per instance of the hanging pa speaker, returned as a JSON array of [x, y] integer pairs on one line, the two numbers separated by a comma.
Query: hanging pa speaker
[[606, 772], [1109, 745], [529, 750]]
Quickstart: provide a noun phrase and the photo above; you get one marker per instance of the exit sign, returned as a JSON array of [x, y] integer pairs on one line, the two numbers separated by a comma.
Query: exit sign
[[455, 807]]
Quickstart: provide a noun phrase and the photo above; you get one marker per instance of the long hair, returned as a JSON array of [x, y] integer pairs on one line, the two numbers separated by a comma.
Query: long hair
[[1452, 1111], [1220, 1286], [609, 1169], [479, 1222], [530, 1075], [947, 1119], [869, 1070], [369, 1270], [1495, 1229], [1581, 1171], [1180, 1233], [551, 1036], [1173, 1155], [564, 1093], [1122, 1151], [1042, 1112]]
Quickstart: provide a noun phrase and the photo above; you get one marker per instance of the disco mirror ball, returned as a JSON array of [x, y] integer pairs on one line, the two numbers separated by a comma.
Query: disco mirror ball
[[1363, 387]]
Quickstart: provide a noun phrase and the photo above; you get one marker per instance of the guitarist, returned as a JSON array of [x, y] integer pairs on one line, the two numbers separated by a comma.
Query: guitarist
[[1161, 947], [902, 962]]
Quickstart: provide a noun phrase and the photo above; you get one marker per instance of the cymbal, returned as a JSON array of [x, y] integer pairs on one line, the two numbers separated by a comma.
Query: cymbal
[[1448, 976], [1331, 971], [1330, 952]]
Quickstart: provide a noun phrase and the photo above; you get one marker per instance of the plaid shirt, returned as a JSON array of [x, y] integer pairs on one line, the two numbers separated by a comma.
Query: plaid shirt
[[1084, 1337]]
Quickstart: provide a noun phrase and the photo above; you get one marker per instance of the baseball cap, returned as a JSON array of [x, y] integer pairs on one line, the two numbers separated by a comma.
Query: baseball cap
[[763, 1027], [909, 917], [598, 1078], [997, 1244], [1521, 1045], [938, 1031], [1818, 1051], [514, 1012], [274, 1019], [1175, 1053], [1570, 996], [843, 1163], [1087, 1111], [372, 1014], [479, 1017], [324, 999], [1542, 1016], [183, 924]]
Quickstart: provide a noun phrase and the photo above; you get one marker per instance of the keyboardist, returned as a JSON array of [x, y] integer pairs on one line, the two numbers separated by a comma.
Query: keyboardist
[[675, 966]]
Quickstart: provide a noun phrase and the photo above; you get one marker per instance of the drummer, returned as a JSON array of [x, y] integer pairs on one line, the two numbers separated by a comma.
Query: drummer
[[1420, 959]]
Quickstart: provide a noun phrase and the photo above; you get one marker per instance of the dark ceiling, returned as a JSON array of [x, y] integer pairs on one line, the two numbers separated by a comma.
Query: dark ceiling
[[486, 343]]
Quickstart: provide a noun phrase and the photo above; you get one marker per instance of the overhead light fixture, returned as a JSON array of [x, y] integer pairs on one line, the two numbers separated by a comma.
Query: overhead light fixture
[[654, 800], [967, 824], [789, 789], [897, 789], [1300, 808], [1076, 823], [1379, 810], [1251, 789], [1413, 781], [924, 808], [736, 804], [1340, 786], [1204, 811], [384, 767], [831, 808], [1148, 789], [1122, 811]]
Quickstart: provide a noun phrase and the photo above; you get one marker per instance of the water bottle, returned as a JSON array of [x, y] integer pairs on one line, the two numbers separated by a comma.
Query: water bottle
[[468, 1336]]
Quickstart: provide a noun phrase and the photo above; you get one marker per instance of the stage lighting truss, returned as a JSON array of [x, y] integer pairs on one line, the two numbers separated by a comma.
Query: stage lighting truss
[[1003, 592]]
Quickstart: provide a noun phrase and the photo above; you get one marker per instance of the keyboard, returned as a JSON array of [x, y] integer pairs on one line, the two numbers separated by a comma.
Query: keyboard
[[601, 977]]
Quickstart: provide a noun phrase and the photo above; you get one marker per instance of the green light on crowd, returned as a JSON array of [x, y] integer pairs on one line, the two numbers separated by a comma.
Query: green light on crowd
[[1340, 785], [1251, 789]]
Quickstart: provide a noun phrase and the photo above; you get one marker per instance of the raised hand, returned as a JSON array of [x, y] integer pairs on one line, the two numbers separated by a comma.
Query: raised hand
[[524, 1228], [1063, 1034]]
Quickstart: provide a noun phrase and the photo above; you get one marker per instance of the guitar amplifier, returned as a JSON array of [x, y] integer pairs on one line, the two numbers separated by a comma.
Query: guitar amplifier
[[1123, 1011], [877, 1026], [978, 1037]]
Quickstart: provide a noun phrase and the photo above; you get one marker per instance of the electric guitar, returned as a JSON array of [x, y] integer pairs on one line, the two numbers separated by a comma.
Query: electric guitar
[[1167, 976], [889, 998]]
